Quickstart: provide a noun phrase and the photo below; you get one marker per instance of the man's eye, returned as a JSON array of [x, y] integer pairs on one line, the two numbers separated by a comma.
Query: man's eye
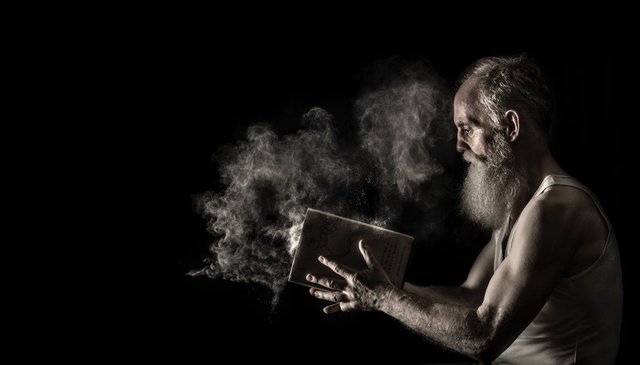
[[467, 131]]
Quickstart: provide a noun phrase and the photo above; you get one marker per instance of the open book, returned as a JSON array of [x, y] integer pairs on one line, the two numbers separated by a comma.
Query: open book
[[337, 238]]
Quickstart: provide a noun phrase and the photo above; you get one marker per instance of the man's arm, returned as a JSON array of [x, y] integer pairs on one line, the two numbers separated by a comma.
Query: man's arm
[[471, 292], [542, 247]]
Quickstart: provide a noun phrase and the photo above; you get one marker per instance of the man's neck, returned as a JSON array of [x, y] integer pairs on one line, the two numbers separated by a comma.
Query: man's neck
[[536, 165]]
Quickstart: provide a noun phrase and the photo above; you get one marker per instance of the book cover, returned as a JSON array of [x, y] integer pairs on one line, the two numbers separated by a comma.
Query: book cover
[[337, 238]]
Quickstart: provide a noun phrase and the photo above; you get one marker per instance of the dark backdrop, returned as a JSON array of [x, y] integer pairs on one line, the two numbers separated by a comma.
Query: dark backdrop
[[200, 86]]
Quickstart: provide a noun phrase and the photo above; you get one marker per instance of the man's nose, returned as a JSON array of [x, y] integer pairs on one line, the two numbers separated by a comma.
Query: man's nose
[[461, 145]]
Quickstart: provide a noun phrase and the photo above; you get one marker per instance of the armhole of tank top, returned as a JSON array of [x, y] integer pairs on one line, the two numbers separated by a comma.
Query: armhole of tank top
[[607, 243]]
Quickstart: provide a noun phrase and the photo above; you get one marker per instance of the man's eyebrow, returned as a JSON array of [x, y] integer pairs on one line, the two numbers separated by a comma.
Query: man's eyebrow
[[473, 121], [466, 123]]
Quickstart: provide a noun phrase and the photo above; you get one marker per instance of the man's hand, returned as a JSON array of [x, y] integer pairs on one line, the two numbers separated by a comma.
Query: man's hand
[[360, 290]]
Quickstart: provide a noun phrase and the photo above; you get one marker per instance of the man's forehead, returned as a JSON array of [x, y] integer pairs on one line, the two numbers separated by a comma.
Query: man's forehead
[[468, 91], [466, 108]]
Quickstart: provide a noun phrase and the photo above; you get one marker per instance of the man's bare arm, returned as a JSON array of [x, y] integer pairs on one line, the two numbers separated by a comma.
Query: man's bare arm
[[515, 294], [517, 291]]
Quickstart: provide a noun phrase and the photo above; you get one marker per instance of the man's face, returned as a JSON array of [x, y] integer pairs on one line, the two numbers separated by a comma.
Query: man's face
[[472, 124], [491, 182]]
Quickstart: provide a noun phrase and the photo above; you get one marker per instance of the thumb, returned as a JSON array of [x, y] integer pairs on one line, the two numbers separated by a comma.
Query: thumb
[[369, 259]]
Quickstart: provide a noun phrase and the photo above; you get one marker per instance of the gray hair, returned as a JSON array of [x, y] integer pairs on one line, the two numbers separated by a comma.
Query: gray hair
[[510, 83]]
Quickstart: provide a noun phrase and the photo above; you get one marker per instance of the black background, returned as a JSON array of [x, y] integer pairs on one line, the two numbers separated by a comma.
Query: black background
[[197, 85]]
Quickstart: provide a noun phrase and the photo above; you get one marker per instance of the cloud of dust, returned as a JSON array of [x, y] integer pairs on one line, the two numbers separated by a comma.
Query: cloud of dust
[[396, 127], [270, 180]]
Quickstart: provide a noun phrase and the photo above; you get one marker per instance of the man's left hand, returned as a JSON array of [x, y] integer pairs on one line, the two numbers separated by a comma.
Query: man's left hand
[[359, 290]]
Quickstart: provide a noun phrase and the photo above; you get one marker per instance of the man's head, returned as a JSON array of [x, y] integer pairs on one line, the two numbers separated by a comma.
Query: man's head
[[500, 102]]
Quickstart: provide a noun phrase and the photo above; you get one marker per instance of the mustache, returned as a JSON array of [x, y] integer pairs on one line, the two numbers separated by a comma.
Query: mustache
[[472, 157]]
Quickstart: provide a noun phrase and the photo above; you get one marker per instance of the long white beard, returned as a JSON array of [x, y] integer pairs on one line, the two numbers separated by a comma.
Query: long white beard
[[491, 185]]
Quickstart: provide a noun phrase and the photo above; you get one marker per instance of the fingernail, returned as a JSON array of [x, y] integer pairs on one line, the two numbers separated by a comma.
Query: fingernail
[[316, 293], [309, 277], [321, 258]]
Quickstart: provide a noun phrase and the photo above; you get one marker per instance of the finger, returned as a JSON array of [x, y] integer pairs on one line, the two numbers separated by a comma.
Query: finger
[[342, 270], [333, 308], [332, 296], [348, 306], [334, 284], [341, 307], [368, 257]]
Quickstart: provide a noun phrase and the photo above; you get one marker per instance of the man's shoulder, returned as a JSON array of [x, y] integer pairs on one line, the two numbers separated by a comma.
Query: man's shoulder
[[550, 228], [568, 217], [558, 199], [564, 211]]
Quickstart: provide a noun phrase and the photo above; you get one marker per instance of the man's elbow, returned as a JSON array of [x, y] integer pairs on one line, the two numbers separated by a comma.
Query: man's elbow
[[485, 351], [489, 345], [488, 342], [489, 339]]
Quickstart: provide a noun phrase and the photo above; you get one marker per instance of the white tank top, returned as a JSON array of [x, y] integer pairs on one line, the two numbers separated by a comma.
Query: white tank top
[[580, 322]]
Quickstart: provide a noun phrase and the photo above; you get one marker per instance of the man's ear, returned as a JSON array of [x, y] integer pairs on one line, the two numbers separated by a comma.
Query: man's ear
[[513, 124]]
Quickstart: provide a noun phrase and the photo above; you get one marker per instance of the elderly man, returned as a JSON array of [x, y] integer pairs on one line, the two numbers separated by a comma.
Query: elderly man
[[547, 287]]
